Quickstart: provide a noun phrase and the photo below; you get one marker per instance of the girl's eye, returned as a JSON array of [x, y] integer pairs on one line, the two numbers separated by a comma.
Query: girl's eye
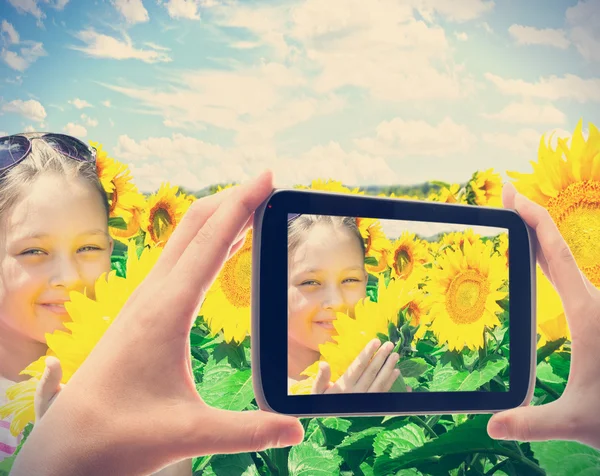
[[32, 252], [89, 248], [352, 280], [309, 282]]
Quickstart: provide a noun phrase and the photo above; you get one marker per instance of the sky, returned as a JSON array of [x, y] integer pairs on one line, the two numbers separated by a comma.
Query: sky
[[198, 92]]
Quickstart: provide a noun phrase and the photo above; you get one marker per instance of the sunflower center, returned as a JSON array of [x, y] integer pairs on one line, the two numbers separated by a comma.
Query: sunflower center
[[113, 199], [414, 313], [162, 224], [404, 262], [236, 278], [466, 297], [576, 211]]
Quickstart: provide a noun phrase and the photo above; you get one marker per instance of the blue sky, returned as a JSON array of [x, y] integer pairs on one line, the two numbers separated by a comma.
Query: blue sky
[[202, 91]]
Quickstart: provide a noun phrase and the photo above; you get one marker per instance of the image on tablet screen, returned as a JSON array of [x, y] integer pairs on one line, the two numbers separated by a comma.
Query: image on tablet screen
[[435, 293]]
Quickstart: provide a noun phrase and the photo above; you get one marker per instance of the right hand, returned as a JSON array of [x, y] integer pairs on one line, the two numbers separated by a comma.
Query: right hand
[[367, 374], [573, 416]]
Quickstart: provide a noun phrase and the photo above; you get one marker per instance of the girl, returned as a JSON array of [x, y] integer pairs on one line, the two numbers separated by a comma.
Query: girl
[[53, 240], [326, 256]]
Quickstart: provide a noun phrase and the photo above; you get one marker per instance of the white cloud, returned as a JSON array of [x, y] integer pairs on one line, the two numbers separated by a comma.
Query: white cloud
[[29, 128], [583, 20], [529, 113], [11, 33], [402, 138], [462, 36], [90, 122], [486, 26], [30, 109], [104, 46], [106, 103], [80, 103], [454, 10], [32, 7], [552, 88], [75, 130], [29, 51], [132, 10], [378, 46], [526, 141], [529, 35], [195, 164], [187, 9]]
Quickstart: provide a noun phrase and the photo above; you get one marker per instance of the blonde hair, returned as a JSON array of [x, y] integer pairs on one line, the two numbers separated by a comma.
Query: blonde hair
[[44, 159], [298, 226]]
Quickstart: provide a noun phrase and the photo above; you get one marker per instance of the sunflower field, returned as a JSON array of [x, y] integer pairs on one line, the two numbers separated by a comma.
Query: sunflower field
[[442, 302]]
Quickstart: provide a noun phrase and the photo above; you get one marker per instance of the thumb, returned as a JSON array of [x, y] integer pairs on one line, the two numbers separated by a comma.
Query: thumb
[[48, 387], [532, 423], [227, 432]]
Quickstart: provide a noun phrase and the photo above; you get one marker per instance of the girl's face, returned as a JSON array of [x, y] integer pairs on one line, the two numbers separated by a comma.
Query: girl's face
[[53, 241], [326, 275]]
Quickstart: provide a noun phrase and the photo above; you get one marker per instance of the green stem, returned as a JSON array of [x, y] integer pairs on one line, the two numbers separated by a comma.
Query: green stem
[[424, 424], [269, 462], [549, 390], [490, 332], [433, 420], [204, 463]]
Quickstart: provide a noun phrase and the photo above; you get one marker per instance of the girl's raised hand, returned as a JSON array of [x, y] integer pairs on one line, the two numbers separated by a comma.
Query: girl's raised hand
[[132, 407], [367, 374]]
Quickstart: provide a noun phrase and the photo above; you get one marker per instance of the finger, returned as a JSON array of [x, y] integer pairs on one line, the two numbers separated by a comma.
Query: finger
[[387, 376], [204, 256], [564, 272], [373, 369], [242, 237], [241, 432], [322, 380], [48, 387], [533, 423], [508, 198], [192, 221], [358, 366]]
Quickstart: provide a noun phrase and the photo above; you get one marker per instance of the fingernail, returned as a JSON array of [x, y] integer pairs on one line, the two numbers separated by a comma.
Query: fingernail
[[497, 430]]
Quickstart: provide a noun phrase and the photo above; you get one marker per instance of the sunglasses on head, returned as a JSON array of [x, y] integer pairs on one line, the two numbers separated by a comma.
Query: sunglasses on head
[[15, 148]]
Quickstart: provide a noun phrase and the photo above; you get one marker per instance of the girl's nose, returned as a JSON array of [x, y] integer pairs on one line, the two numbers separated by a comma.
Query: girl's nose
[[334, 299], [65, 273]]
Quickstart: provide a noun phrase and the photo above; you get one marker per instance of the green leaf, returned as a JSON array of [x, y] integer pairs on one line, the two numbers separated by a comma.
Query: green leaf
[[470, 437], [224, 387], [361, 440], [447, 379], [545, 373], [561, 364], [117, 222], [400, 440], [567, 458], [335, 430], [234, 465], [307, 459], [203, 341], [119, 248], [548, 349], [413, 367], [6, 465]]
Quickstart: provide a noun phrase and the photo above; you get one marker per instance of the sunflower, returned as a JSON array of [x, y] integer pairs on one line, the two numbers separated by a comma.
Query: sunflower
[[89, 321], [407, 255], [463, 293], [163, 213], [551, 319], [566, 181], [20, 405], [133, 226], [448, 195], [115, 177], [330, 186], [226, 306], [502, 246], [486, 188], [457, 239], [375, 239]]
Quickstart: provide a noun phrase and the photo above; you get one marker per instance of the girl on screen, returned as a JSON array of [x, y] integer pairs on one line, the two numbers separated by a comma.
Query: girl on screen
[[54, 239], [326, 274]]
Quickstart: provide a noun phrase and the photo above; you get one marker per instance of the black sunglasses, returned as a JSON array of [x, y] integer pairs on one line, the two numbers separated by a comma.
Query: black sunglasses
[[13, 149]]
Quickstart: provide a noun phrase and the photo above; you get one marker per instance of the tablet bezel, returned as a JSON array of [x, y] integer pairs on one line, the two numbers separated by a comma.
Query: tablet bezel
[[269, 306]]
